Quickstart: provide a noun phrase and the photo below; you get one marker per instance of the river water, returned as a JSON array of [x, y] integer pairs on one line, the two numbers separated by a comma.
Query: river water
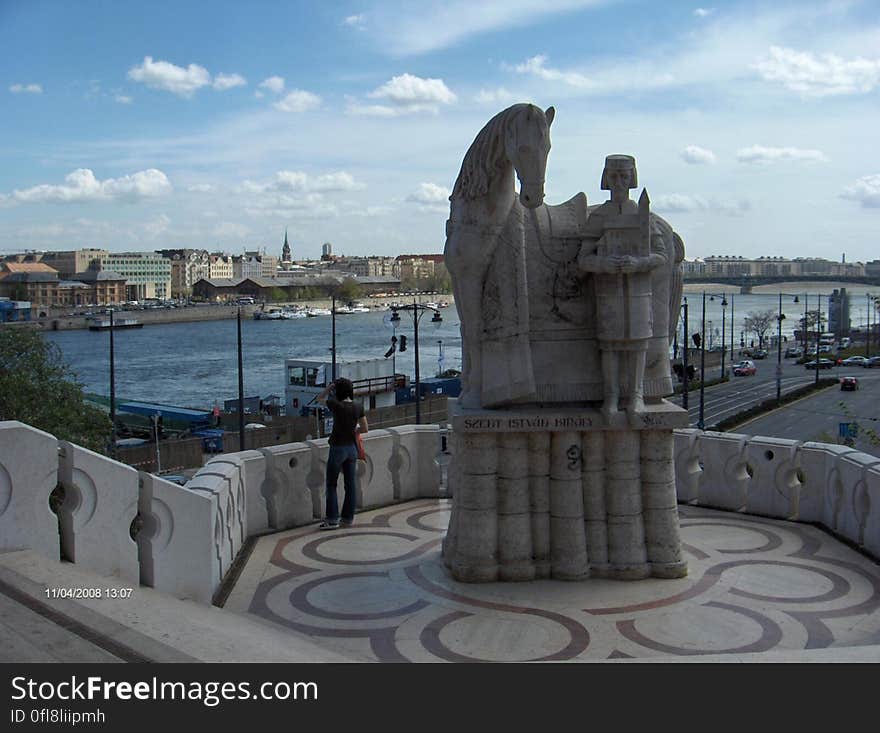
[[196, 364]]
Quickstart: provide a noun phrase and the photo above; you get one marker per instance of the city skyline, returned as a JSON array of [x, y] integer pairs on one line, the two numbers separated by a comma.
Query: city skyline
[[753, 124]]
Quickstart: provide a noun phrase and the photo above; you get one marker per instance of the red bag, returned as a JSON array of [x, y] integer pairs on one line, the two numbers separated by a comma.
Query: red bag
[[359, 441]]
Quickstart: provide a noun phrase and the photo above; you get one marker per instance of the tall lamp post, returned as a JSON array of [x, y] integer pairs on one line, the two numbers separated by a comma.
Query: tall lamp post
[[112, 392], [818, 332], [684, 360], [700, 422], [240, 388], [867, 330], [712, 297], [417, 310], [780, 317], [333, 336], [732, 328]]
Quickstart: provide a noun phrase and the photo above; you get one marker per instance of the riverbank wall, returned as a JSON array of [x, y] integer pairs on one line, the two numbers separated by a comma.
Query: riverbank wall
[[61, 321]]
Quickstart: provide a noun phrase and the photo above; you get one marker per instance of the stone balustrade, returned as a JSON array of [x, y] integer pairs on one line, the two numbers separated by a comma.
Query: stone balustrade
[[118, 522], [189, 536], [830, 485]]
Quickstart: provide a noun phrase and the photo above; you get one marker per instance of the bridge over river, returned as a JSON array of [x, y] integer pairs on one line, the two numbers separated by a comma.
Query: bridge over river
[[747, 282]]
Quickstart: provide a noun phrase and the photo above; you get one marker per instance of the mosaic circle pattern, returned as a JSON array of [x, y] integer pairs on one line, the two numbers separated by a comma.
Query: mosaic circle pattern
[[378, 591]]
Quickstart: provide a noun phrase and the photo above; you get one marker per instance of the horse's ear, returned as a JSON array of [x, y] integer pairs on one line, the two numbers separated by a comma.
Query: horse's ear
[[550, 114]]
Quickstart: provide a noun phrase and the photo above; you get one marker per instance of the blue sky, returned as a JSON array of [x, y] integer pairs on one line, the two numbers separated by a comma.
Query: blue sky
[[138, 126]]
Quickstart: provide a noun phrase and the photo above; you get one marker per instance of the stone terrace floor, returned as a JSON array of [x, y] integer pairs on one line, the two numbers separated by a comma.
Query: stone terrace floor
[[379, 591]]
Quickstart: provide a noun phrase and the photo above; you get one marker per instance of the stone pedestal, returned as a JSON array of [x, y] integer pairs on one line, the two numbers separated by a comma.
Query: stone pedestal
[[561, 493]]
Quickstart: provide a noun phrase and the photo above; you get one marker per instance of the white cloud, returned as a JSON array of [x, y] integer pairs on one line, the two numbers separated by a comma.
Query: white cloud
[[414, 28], [819, 76], [696, 155], [230, 230], [355, 21], [82, 186], [26, 89], [297, 181], [200, 188], [168, 77], [866, 191], [222, 82], [761, 154], [298, 101], [430, 197], [405, 94], [157, 227], [495, 96], [274, 84], [123, 99], [602, 80], [703, 12], [682, 204], [430, 193]]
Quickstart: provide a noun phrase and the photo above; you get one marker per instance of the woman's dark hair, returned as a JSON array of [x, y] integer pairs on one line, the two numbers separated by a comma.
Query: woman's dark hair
[[344, 389]]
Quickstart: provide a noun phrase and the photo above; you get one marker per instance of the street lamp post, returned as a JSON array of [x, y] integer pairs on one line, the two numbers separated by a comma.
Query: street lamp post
[[818, 332], [684, 361], [333, 336], [723, 318], [779, 317], [112, 391], [700, 422], [732, 328], [868, 328], [417, 310], [806, 345], [240, 388]]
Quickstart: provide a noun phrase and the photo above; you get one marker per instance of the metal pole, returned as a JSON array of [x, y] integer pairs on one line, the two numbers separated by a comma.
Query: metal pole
[[684, 360], [333, 334], [240, 388], [806, 345], [701, 424], [112, 392], [779, 353], [732, 326], [158, 452], [723, 350], [818, 331], [416, 342], [867, 330]]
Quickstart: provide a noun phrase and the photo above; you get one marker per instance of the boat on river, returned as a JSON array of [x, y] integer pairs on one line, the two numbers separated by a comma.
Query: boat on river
[[103, 324]]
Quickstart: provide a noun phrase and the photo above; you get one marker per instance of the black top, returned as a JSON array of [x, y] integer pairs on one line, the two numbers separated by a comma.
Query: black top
[[345, 420]]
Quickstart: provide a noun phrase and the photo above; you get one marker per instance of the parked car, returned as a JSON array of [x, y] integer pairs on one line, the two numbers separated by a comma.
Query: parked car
[[759, 354], [874, 361], [854, 361], [794, 352], [822, 364], [849, 384], [745, 369]]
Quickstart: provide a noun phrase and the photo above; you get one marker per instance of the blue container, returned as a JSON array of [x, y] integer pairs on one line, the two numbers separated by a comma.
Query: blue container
[[212, 439]]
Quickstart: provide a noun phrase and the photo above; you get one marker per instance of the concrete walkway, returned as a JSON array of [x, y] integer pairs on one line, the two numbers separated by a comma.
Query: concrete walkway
[[758, 590]]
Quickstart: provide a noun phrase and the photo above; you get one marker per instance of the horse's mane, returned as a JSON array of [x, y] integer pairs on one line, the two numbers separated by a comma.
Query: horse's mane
[[483, 155]]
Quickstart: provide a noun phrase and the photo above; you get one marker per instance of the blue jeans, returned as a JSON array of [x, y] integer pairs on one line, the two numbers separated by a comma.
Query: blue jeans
[[344, 458]]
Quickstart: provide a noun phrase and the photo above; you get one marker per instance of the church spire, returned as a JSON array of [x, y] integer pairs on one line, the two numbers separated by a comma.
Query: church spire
[[285, 251]]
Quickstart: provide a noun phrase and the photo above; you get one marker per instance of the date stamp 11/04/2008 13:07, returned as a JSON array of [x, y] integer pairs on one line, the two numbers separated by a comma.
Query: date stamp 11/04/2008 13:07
[[82, 593]]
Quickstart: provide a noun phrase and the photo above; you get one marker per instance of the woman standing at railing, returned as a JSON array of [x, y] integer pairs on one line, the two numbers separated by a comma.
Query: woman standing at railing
[[348, 419]]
